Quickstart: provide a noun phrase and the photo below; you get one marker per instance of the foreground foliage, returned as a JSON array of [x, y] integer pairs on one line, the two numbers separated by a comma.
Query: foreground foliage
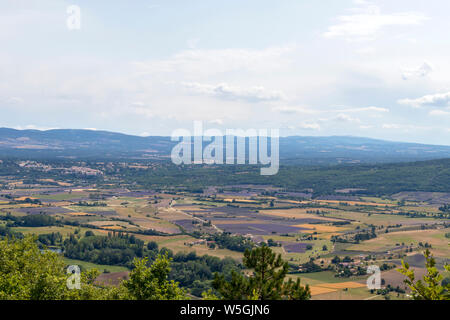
[[267, 281], [431, 287], [28, 273], [151, 283]]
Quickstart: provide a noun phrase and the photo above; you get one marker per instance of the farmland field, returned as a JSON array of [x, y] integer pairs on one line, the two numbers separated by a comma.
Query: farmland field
[[327, 241], [88, 265]]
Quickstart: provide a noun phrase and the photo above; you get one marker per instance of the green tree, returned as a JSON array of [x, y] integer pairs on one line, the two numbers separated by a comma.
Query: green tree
[[430, 288], [27, 273], [238, 288], [266, 282], [151, 283]]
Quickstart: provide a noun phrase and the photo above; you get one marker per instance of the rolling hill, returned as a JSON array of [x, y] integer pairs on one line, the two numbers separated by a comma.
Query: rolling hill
[[78, 144]]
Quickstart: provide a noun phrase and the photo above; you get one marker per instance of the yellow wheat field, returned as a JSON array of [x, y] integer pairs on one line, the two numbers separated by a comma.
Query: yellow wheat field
[[25, 198], [298, 213], [239, 200], [113, 227], [342, 285], [317, 227], [79, 214], [360, 203], [316, 290]]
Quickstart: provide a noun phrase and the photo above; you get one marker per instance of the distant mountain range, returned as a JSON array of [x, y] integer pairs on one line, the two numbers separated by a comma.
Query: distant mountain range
[[90, 144]]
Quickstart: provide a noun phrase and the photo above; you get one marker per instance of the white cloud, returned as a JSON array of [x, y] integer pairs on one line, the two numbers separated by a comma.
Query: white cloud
[[34, 127], [310, 126], [227, 92], [361, 2], [391, 126], [434, 100], [142, 111], [342, 117], [153, 6], [14, 100], [366, 51], [417, 72], [293, 110], [203, 62], [365, 109], [439, 113], [405, 127], [216, 121], [367, 22], [138, 104], [192, 43]]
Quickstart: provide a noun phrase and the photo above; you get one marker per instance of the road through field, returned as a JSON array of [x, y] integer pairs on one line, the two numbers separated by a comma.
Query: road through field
[[171, 208]]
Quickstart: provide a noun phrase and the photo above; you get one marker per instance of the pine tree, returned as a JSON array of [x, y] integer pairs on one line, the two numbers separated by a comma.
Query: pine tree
[[430, 288], [266, 282]]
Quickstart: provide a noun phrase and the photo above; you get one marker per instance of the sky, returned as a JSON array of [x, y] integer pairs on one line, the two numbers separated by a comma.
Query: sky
[[376, 69]]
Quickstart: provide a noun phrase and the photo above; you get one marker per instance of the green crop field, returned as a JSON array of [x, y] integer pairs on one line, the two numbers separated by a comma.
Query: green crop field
[[84, 265]]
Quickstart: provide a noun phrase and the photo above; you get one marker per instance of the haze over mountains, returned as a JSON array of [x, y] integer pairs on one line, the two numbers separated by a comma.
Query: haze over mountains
[[86, 144]]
